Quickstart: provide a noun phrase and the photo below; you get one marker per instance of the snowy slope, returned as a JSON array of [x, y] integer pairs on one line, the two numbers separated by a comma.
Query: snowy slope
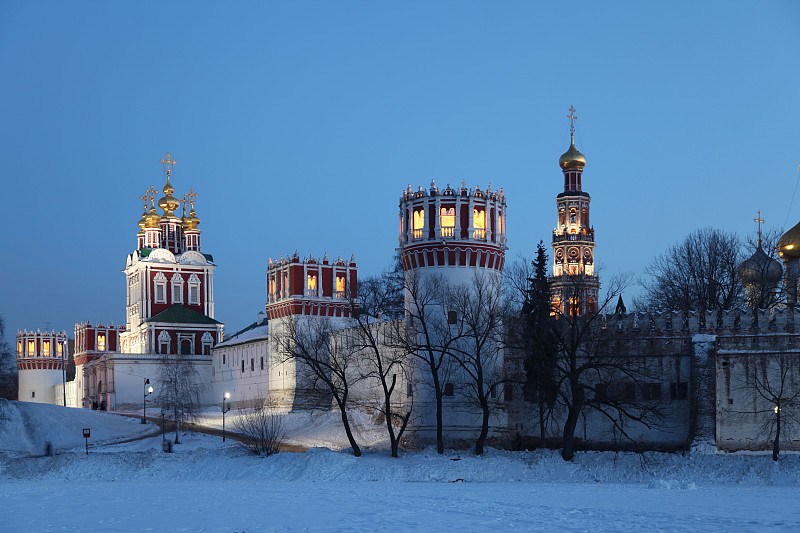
[[26, 427]]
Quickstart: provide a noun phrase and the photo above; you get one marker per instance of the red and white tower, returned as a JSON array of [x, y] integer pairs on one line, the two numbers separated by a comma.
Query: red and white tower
[[41, 356], [574, 287], [457, 236], [453, 232], [169, 304], [300, 291]]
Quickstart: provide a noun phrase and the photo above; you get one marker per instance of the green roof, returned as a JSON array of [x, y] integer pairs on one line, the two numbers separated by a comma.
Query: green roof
[[179, 314], [144, 252]]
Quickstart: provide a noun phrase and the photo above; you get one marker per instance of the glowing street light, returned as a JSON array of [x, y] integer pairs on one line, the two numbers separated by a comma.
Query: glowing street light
[[225, 396], [147, 392]]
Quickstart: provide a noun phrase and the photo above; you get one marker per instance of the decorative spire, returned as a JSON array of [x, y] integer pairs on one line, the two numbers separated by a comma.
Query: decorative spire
[[572, 117], [758, 220]]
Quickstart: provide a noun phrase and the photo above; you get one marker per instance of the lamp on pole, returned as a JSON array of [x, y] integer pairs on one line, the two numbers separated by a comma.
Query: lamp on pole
[[147, 392], [226, 396]]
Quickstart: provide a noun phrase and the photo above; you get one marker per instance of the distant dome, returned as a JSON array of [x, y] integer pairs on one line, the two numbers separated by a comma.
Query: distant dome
[[572, 158], [789, 244], [760, 268]]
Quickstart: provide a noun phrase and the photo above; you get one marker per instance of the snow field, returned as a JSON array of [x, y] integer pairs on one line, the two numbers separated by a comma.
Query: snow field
[[209, 486]]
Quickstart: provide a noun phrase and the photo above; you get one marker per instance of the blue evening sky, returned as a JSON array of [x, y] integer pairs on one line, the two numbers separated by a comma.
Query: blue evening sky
[[300, 123]]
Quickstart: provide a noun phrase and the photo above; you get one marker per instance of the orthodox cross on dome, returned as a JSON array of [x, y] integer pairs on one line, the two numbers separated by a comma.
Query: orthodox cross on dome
[[572, 117], [168, 163], [191, 195], [759, 221], [151, 195], [145, 198]]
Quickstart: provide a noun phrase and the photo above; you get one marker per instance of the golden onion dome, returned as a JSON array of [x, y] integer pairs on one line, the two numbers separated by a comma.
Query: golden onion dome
[[152, 218], [789, 244], [572, 158], [169, 203], [191, 221], [143, 220]]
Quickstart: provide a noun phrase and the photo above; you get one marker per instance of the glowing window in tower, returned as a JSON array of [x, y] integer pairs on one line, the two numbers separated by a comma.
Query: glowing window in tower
[[311, 285], [31, 348], [340, 286], [101, 342], [419, 222], [60, 349], [447, 220], [19, 347], [479, 223], [272, 286], [501, 224], [46, 348]]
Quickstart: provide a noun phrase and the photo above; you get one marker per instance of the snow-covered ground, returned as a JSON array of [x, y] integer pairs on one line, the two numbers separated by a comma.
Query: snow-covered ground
[[210, 486]]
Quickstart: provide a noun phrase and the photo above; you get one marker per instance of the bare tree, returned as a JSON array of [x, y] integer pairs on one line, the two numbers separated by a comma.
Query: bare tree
[[261, 429], [8, 367], [697, 274], [330, 362], [775, 380], [597, 372], [478, 345], [426, 335], [178, 389], [381, 360]]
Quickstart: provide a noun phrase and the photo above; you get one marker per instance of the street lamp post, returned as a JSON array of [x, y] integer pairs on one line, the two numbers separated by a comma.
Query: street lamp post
[[147, 392], [225, 396]]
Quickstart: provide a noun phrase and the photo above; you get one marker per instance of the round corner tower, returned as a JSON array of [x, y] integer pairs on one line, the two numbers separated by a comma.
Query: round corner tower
[[454, 236], [40, 362], [455, 233]]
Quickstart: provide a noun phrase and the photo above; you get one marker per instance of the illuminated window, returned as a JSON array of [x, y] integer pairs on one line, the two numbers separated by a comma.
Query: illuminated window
[[272, 287], [573, 216], [419, 223], [101, 342], [561, 218], [19, 347], [447, 220], [46, 348], [574, 307], [60, 350], [340, 286], [479, 223], [31, 348], [501, 223], [311, 285]]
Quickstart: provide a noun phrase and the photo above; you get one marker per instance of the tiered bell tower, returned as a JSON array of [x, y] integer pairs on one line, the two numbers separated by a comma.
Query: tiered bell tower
[[574, 285]]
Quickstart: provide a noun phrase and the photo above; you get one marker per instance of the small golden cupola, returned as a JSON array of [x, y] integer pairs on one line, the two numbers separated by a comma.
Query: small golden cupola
[[191, 222], [572, 158], [151, 219]]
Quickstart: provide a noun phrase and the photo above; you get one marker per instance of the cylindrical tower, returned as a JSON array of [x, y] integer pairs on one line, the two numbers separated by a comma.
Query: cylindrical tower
[[458, 237], [453, 232], [41, 356]]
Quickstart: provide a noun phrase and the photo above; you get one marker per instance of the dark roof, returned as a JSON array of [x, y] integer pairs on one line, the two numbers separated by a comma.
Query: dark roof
[[179, 314], [209, 257], [573, 193]]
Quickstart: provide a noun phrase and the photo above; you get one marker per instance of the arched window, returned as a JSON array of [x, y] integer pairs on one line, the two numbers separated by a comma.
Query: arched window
[[340, 283], [447, 220], [419, 222], [311, 285], [46, 348], [101, 342], [31, 348], [479, 223]]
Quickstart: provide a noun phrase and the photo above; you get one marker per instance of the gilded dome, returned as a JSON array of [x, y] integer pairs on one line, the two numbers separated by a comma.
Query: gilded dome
[[789, 244], [152, 218], [169, 203], [760, 268], [572, 158], [143, 220]]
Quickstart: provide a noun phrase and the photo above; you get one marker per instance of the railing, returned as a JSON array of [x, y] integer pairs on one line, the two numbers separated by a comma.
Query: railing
[[447, 231], [311, 292], [339, 294], [479, 234], [418, 233], [589, 236]]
